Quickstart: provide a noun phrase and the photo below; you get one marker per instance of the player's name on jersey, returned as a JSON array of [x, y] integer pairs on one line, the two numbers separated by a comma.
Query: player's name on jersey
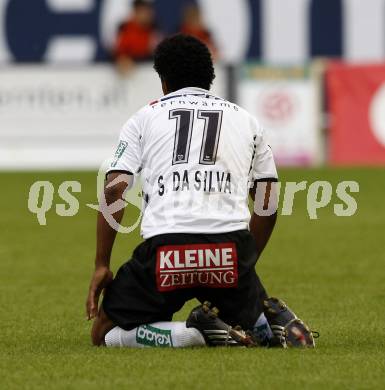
[[206, 181]]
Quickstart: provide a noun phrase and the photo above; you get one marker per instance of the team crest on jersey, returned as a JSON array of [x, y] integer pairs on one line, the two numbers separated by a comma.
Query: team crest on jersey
[[197, 265], [153, 337], [119, 152]]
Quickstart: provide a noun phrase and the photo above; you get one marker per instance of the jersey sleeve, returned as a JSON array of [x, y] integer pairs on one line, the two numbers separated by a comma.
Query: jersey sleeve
[[263, 165], [128, 155]]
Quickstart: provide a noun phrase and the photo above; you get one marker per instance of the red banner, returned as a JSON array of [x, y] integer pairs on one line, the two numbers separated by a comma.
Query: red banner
[[356, 96]]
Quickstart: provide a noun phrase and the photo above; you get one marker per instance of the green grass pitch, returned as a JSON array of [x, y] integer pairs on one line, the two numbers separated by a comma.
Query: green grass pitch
[[331, 271]]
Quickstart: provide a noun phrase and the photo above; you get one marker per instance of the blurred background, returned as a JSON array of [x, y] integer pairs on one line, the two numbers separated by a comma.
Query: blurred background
[[73, 71]]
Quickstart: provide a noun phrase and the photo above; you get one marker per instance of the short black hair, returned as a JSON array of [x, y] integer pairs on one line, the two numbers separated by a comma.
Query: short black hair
[[184, 61]]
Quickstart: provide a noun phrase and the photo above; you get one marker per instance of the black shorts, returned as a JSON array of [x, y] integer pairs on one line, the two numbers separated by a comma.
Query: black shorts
[[167, 270]]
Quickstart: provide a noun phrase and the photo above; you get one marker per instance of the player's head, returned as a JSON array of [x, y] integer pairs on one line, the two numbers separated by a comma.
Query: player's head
[[183, 61]]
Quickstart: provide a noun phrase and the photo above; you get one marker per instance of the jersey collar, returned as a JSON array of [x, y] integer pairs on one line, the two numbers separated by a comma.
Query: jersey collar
[[187, 91], [194, 91]]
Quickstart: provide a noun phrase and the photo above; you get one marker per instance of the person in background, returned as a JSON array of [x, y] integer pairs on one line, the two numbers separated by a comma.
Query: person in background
[[137, 37], [192, 24]]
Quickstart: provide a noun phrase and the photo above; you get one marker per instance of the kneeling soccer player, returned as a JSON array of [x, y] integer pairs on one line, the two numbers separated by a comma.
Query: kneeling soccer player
[[198, 156]]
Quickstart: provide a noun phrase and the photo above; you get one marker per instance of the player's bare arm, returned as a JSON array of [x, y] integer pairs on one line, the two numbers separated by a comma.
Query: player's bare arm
[[262, 226], [105, 238]]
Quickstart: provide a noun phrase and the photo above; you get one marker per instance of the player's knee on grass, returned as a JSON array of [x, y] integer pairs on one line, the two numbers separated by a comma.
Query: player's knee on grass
[[97, 337], [101, 326]]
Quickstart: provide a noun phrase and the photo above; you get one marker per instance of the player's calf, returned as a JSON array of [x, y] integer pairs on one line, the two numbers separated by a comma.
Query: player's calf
[[158, 334], [101, 326]]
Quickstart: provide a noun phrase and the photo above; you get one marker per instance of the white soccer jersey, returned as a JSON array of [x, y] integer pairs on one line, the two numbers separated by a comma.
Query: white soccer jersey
[[197, 155]]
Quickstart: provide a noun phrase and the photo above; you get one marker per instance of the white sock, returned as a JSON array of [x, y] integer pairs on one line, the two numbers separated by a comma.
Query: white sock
[[158, 334], [262, 330]]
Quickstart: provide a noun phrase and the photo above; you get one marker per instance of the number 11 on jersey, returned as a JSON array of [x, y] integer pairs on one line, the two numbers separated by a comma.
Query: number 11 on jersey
[[184, 127]]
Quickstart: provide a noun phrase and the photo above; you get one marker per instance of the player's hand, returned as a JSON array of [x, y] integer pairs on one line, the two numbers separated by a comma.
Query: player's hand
[[100, 280]]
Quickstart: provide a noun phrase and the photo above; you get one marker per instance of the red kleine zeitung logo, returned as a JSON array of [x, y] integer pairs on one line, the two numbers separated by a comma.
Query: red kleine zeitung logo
[[197, 265]]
